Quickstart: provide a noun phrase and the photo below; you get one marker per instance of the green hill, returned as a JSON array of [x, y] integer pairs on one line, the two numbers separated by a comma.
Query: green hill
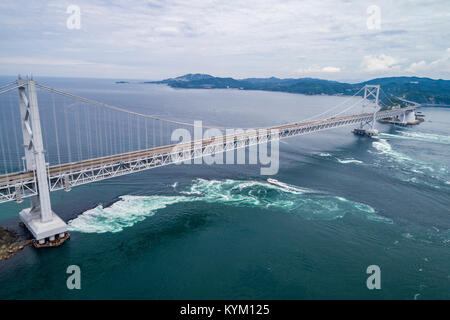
[[421, 90]]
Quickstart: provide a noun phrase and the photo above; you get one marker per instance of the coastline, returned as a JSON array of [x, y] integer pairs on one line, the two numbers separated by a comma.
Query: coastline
[[11, 243]]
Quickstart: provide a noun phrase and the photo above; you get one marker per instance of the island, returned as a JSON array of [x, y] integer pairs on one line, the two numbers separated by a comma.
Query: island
[[421, 90]]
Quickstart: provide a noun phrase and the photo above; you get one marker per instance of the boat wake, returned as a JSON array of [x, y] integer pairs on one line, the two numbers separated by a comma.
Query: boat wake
[[343, 161], [349, 160], [289, 187], [411, 170], [418, 136]]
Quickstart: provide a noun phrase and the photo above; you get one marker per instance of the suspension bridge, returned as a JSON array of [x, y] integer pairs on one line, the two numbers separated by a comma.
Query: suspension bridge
[[69, 140]]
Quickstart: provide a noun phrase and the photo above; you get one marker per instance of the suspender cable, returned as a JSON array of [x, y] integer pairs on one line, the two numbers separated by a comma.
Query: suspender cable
[[129, 133], [348, 108], [138, 134], [161, 133], [88, 131], [69, 151], [153, 135], [106, 127], [10, 84], [13, 123], [114, 127], [8, 150], [121, 134], [78, 136], [146, 134], [104, 134], [100, 128], [9, 89], [58, 151], [5, 163], [110, 133], [120, 109]]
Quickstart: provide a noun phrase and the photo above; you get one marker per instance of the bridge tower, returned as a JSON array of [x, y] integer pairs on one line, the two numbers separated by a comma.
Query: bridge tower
[[42, 222], [408, 117], [371, 96]]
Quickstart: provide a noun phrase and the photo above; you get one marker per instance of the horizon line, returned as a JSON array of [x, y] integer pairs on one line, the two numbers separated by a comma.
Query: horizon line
[[267, 77]]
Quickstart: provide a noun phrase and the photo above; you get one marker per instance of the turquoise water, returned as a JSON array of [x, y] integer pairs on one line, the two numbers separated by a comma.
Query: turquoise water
[[338, 204]]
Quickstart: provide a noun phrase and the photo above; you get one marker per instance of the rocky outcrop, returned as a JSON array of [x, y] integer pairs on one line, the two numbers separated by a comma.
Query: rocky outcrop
[[10, 243]]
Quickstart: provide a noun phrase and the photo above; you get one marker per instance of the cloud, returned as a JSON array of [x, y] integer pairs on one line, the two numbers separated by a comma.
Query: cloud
[[167, 30], [49, 62], [226, 38], [442, 64], [331, 69], [417, 66], [319, 70], [377, 63]]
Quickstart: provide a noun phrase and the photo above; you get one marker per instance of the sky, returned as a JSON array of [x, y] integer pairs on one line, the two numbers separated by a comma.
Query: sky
[[342, 40]]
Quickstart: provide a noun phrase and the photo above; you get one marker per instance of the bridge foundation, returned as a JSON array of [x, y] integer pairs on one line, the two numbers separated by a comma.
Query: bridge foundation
[[43, 231], [42, 222], [410, 116]]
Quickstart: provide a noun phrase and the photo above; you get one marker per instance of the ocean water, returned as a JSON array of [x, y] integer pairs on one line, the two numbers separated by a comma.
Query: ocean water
[[338, 204]]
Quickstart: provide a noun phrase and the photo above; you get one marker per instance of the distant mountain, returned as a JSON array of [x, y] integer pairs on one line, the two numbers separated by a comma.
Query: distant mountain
[[421, 90], [186, 78]]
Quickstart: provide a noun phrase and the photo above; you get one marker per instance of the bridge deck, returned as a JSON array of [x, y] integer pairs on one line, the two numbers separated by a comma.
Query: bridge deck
[[15, 186]]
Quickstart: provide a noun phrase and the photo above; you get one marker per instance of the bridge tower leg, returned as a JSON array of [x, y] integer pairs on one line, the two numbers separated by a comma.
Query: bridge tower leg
[[371, 94], [410, 116], [42, 222]]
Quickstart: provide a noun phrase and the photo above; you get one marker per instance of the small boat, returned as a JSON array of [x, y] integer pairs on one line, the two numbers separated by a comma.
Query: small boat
[[288, 187]]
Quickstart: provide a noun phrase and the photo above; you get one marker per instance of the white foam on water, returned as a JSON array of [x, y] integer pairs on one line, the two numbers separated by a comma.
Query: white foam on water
[[121, 214], [428, 137], [418, 136], [378, 218], [324, 154], [306, 202], [349, 160], [384, 147], [422, 171], [408, 235], [289, 187], [343, 161], [370, 212], [431, 235]]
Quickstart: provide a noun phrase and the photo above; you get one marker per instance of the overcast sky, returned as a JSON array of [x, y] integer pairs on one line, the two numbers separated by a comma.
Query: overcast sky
[[154, 39]]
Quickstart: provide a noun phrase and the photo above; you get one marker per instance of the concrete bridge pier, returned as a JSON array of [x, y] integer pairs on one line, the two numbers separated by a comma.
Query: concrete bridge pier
[[407, 117], [40, 220], [410, 116]]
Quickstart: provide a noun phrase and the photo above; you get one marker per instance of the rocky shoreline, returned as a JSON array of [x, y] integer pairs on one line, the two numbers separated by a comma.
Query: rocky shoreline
[[11, 243]]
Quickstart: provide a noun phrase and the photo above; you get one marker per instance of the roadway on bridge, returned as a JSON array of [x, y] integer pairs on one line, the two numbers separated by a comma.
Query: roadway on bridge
[[86, 164]]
